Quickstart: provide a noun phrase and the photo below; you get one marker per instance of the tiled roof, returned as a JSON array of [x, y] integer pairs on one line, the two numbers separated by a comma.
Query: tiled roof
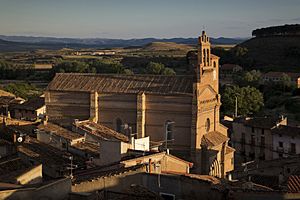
[[4, 93], [89, 148], [229, 66], [286, 130], [101, 131], [213, 138], [280, 74], [59, 131], [32, 104], [229, 150], [46, 154], [293, 184], [260, 122], [11, 165], [118, 83]]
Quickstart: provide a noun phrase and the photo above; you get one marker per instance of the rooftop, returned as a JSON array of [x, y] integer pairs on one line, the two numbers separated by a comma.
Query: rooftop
[[213, 138], [59, 131], [293, 184], [118, 83], [260, 122], [100, 131], [229, 66], [87, 147], [286, 130], [280, 74], [32, 104], [47, 154]]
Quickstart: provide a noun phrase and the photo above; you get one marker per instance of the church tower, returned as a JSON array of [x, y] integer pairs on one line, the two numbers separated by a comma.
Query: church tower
[[206, 113]]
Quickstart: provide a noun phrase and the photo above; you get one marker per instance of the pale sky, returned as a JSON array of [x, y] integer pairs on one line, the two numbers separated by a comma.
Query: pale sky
[[143, 18]]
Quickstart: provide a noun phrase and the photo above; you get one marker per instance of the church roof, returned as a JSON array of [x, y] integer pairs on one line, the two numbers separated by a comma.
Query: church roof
[[213, 138], [120, 83]]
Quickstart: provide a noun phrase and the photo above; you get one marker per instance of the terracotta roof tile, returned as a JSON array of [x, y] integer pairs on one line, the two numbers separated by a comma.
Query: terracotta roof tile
[[293, 184], [213, 138], [100, 131], [59, 131], [118, 83]]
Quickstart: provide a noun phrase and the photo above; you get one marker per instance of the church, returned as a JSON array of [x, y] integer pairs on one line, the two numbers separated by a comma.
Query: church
[[181, 112]]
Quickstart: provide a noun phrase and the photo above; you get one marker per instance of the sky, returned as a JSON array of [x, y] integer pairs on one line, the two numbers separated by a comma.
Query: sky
[[143, 18]]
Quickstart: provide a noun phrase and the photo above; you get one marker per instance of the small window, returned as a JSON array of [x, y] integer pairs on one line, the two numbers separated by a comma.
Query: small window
[[207, 125], [252, 129], [169, 129], [262, 131], [280, 144], [119, 125], [293, 148], [280, 155]]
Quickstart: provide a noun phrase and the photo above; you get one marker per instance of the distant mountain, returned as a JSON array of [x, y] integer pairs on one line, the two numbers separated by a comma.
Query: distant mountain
[[107, 43]]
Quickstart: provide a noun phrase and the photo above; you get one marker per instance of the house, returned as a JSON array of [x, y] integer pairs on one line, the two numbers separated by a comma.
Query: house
[[277, 76], [111, 144], [15, 171], [176, 110], [160, 162], [56, 163], [227, 70], [57, 136], [6, 100], [264, 138], [286, 141], [32, 110], [6, 148]]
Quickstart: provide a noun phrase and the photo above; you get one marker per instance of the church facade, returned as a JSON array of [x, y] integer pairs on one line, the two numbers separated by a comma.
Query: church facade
[[182, 112]]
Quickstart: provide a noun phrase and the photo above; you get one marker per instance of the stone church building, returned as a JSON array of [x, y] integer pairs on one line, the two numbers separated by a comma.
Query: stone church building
[[180, 111]]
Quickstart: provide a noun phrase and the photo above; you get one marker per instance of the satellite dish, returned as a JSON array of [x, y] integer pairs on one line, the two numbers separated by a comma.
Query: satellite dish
[[20, 139]]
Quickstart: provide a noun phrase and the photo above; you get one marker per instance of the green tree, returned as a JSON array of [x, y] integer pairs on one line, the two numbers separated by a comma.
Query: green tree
[[155, 68], [23, 90], [249, 78], [168, 71], [128, 72], [249, 100]]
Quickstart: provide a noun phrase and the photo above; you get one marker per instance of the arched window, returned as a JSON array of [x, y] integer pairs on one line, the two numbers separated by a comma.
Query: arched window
[[204, 57], [207, 125], [119, 125], [169, 130], [207, 56], [215, 64]]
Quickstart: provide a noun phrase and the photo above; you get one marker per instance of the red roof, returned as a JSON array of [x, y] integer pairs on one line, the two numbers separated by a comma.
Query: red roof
[[280, 74], [293, 184]]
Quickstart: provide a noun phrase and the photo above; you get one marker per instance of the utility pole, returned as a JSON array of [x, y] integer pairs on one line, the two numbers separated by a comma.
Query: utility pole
[[236, 106]]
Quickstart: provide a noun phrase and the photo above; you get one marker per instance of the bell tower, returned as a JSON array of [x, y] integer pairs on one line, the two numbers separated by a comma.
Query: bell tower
[[208, 64]]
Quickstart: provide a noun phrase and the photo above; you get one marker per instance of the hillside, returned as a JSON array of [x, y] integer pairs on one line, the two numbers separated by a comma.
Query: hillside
[[276, 53], [166, 46]]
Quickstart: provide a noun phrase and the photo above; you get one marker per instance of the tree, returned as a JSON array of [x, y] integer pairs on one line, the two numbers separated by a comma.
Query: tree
[[168, 71], [155, 68], [23, 90], [249, 100], [251, 78], [159, 69], [128, 72]]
